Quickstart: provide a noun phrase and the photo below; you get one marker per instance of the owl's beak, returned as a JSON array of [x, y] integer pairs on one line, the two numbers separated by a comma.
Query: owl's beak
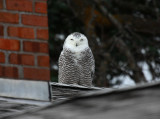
[[76, 44]]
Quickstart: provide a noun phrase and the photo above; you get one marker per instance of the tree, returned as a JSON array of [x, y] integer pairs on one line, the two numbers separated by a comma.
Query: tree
[[123, 35]]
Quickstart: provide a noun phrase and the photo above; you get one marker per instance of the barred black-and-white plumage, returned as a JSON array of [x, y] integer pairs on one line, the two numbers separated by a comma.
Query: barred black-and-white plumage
[[76, 62]]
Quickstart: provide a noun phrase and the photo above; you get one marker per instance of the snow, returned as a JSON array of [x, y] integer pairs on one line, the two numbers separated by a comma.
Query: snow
[[143, 51], [145, 70], [157, 38], [60, 36], [55, 67], [127, 81], [98, 41]]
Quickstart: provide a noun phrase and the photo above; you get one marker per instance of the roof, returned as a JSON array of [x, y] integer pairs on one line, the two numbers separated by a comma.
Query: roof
[[61, 91], [13, 106], [139, 102]]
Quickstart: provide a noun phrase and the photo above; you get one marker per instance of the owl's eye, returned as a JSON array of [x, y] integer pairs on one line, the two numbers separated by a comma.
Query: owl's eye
[[71, 39], [81, 40]]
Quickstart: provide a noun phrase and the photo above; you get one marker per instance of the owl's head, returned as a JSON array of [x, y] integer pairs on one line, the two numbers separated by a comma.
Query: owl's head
[[76, 42]]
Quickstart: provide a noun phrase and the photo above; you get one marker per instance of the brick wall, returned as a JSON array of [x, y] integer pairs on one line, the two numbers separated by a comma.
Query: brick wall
[[24, 39]]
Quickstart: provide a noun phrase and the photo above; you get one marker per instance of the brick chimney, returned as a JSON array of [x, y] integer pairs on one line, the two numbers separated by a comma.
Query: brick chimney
[[24, 39]]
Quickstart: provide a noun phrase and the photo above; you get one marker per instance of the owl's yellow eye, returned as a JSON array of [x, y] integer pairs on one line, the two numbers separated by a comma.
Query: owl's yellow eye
[[71, 39], [81, 40]]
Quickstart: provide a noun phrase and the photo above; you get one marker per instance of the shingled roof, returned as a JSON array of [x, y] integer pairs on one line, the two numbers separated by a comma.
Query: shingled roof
[[140, 102]]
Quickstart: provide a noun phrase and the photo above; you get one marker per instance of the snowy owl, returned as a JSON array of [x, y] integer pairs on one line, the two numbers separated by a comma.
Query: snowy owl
[[76, 61]]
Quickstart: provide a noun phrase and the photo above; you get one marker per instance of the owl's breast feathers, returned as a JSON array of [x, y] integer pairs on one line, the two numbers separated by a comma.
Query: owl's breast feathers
[[76, 67], [83, 55]]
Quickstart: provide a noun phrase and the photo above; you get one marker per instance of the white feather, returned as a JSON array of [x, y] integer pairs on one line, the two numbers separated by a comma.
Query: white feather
[[79, 72], [71, 44]]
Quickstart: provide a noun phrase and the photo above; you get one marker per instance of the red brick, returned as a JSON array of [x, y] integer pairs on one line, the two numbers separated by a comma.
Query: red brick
[[42, 34], [36, 74], [9, 44], [10, 72], [35, 20], [1, 30], [2, 57], [23, 59], [35, 47], [21, 32], [19, 5], [9, 17], [43, 61], [1, 4], [41, 7]]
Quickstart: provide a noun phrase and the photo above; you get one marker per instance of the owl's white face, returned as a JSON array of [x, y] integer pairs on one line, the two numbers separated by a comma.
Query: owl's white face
[[76, 42]]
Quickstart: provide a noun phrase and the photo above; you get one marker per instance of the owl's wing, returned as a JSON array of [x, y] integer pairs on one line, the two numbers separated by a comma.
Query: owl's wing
[[92, 63], [60, 66]]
